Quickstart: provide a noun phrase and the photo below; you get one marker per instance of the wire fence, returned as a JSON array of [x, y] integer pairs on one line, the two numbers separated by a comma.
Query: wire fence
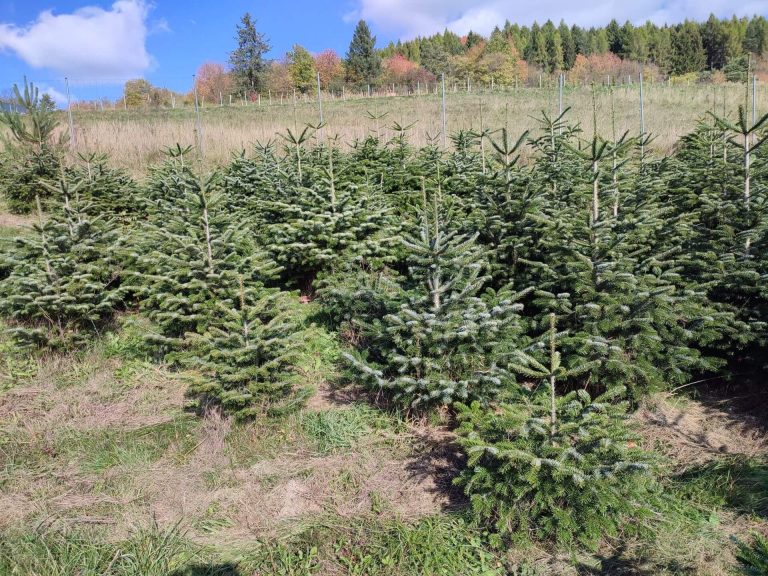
[[136, 135]]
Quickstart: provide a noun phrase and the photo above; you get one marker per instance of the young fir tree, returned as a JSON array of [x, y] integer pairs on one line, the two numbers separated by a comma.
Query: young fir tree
[[32, 155], [549, 466], [189, 258], [320, 227], [716, 180], [167, 181], [621, 296], [249, 180], [63, 281], [107, 190], [244, 356], [442, 343]]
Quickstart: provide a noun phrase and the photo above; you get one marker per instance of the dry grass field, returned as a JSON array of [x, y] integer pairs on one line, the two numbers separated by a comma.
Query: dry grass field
[[136, 138]]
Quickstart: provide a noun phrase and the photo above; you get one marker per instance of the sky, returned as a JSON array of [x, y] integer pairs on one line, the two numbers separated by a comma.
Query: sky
[[98, 45]]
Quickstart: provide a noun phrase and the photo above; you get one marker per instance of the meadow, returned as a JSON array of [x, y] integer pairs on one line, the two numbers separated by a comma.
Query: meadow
[[136, 138], [527, 353]]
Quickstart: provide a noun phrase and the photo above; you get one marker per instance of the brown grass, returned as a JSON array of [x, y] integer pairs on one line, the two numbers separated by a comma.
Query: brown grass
[[219, 496], [136, 138], [693, 433]]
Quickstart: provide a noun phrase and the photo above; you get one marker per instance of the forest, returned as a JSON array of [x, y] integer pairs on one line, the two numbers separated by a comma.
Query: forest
[[528, 293], [715, 51]]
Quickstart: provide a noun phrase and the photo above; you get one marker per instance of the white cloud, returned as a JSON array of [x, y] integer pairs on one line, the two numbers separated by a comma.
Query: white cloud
[[408, 18], [90, 45]]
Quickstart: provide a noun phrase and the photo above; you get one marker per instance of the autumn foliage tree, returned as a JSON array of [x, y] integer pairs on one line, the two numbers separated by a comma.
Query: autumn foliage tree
[[329, 65], [400, 70], [212, 81], [301, 67]]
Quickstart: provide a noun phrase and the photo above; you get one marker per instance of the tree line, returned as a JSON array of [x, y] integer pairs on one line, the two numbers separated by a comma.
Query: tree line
[[716, 50]]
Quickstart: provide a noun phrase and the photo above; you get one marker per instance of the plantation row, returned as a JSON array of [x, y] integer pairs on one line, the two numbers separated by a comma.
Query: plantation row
[[536, 301]]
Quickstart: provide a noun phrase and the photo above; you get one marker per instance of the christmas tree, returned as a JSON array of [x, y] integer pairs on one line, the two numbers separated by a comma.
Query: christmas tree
[[244, 356], [443, 341], [63, 280], [189, 258], [548, 466]]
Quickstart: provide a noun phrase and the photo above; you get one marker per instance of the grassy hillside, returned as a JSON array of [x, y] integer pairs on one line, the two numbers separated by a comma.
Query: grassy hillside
[[136, 138], [103, 471]]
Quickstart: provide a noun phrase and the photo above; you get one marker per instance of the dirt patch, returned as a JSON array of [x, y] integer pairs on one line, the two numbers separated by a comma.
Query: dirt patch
[[694, 433], [273, 495], [327, 397]]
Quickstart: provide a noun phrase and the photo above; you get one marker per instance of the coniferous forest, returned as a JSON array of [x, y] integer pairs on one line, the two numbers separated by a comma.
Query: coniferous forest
[[528, 290]]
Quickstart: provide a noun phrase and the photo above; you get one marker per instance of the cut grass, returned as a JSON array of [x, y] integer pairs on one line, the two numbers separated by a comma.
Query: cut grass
[[338, 488]]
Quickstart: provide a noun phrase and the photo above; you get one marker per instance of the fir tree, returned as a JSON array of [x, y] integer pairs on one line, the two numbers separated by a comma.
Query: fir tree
[[189, 258], [247, 60], [363, 63], [107, 190], [33, 154], [316, 228], [64, 280], [244, 357], [687, 49], [442, 342], [549, 466]]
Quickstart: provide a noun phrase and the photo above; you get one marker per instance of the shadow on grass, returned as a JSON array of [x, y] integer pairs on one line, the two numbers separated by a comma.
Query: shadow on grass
[[226, 569], [736, 482], [439, 457], [617, 564]]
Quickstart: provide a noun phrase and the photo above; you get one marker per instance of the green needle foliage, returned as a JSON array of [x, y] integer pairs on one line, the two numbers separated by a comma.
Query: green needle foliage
[[754, 558], [321, 228], [107, 190], [32, 154], [244, 356], [441, 344], [64, 279], [189, 258], [546, 466]]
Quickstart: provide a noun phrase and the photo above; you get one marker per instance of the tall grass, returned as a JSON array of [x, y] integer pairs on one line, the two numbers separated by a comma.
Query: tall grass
[[136, 138]]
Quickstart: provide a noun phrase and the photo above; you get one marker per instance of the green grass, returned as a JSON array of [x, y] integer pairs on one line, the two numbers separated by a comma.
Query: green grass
[[441, 545], [332, 431], [100, 450], [737, 483], [150, 551], [16, 367]]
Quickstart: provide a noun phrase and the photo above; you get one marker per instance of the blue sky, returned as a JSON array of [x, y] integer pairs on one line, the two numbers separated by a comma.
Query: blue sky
[[99, 44]]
